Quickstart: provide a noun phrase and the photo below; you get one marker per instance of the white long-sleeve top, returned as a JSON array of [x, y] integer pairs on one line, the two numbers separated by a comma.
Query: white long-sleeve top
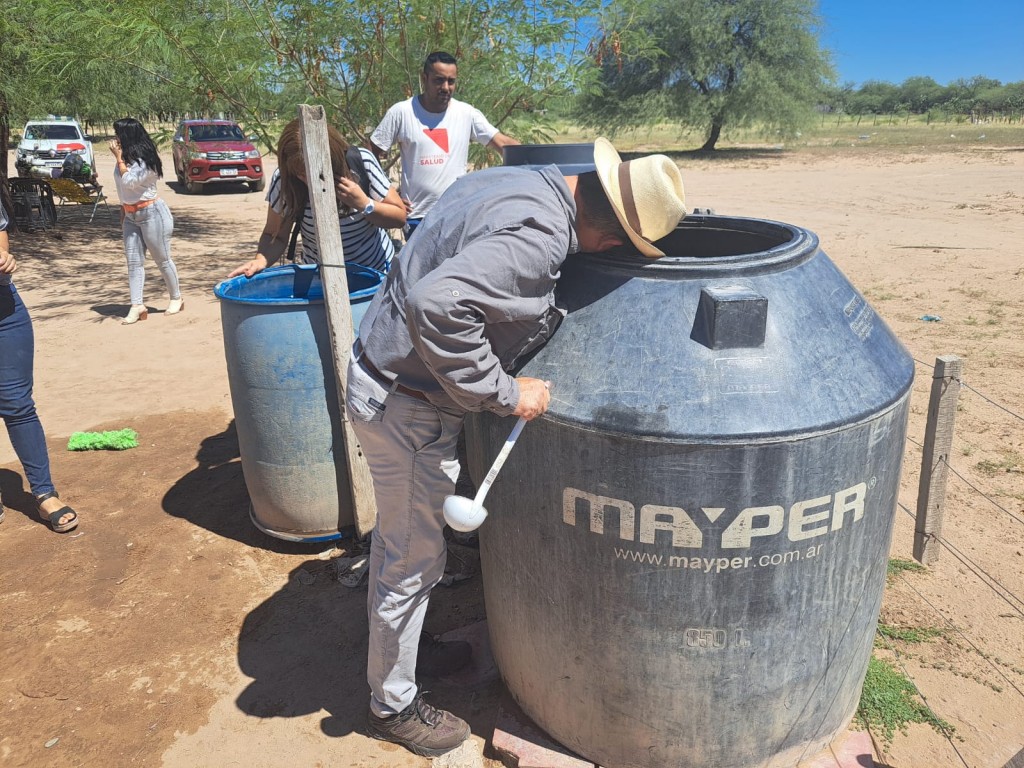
[[136, 184]]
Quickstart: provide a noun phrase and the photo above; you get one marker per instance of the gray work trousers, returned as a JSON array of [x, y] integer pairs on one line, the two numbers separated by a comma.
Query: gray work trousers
[[410, 446], [149, 229]]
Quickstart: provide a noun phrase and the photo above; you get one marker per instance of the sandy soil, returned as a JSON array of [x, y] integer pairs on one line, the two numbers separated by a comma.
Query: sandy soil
[[167, 631]]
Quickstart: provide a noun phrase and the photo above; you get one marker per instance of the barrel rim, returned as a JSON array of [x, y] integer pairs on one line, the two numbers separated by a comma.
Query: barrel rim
[[800, 245], [221, 290]]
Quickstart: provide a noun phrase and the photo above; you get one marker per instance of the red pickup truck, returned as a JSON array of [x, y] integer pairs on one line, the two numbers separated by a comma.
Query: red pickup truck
[[213, 151]]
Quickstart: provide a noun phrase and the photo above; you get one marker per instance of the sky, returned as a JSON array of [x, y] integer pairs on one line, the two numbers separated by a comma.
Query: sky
[[942, 39]]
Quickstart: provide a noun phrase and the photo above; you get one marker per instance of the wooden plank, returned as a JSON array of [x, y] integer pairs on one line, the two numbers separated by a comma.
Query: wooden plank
[[938, 439], [320, 181]]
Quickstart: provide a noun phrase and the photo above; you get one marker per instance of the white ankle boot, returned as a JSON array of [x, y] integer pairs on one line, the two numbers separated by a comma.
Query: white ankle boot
[[136, 313], [175, 306]]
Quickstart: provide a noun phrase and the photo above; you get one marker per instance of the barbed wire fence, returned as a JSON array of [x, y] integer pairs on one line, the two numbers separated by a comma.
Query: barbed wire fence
[[937, 471]]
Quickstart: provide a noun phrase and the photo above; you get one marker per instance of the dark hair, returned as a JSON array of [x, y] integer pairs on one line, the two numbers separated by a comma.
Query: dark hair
[[597, 209], [8, 204], [437, 57], [136, 144]]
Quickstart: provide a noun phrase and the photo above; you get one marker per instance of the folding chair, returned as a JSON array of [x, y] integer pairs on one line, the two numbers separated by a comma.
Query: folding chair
[[33, 204], [73, 194]]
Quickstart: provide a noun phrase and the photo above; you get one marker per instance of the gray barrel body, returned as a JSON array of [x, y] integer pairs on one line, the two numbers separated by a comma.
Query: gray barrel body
[[685, 556], [285, 398]]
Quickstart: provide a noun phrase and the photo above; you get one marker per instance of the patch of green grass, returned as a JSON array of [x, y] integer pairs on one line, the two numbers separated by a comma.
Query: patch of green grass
[[882, 295], [1010, 462], [908, 634], [889, 702], [830, 134], [898, 565]]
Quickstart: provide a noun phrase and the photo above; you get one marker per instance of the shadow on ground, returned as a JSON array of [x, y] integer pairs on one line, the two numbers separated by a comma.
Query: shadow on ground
[[213, 496], [16, 496], [305, 649], [55, 257]]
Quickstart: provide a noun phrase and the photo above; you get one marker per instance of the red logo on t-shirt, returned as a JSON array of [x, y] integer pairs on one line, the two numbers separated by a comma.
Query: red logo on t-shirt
[[439, 136]]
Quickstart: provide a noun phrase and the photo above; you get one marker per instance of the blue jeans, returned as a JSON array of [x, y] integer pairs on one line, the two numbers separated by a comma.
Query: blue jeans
[[17, 351]]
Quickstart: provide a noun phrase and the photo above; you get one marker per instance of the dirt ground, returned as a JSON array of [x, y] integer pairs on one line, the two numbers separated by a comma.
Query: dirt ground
[[168, 631]]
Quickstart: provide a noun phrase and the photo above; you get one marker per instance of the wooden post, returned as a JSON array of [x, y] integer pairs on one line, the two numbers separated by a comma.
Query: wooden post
[[320, 181], [938, 438]]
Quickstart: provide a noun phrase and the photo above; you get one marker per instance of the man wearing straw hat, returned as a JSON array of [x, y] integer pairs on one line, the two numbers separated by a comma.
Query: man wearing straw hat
[[465, 301]]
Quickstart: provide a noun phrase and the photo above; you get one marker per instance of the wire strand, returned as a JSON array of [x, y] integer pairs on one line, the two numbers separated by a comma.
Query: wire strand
[[965, 637], [980, 394], [976, 569], [989, 400], [982, 493], [938, 722]]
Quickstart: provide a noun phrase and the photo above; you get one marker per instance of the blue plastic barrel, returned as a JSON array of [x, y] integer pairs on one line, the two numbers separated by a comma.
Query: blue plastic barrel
[[281, 374]]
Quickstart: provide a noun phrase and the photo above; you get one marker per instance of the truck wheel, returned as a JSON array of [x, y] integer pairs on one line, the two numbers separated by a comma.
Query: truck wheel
[[192, 188], [257, 186]]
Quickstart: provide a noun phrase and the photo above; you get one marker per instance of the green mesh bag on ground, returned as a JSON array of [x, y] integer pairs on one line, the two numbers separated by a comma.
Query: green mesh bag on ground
[[114, 440]]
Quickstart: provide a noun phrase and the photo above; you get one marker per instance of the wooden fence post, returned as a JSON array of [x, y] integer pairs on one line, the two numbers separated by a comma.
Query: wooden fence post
[[321, 183], [938, 438]]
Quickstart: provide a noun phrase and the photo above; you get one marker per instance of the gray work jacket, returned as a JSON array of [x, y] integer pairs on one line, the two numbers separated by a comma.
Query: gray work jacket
[[473, 291]]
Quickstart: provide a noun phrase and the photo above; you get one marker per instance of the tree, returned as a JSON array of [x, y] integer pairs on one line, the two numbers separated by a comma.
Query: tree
[[920, 93], [875, 98], [256, 58], [716, 63], [52, 67]]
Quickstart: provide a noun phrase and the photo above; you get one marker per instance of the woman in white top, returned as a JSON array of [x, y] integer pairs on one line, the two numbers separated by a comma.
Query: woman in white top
[[146, 222], [363, 216]]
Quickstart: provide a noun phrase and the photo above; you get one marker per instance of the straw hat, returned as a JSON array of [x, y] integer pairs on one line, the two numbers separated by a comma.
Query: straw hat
[[646, 194]]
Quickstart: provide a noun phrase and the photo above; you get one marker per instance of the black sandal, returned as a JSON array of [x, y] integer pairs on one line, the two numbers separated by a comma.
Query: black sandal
[[54, 517]]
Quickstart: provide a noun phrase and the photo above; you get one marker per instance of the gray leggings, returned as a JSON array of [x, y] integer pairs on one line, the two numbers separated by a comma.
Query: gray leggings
[[149, 228]]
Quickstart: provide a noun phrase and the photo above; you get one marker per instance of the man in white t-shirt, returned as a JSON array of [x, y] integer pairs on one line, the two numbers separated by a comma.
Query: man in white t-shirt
[[433, 132]]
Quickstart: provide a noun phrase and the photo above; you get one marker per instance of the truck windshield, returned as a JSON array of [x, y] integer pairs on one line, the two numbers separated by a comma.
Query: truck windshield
[[216, 133], [52, 132]]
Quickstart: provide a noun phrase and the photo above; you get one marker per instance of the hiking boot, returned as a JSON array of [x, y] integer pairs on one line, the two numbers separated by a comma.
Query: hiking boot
[[420, 728], [437, 658]]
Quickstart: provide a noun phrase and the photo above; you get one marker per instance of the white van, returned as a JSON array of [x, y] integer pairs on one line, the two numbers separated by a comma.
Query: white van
[[46, 143]]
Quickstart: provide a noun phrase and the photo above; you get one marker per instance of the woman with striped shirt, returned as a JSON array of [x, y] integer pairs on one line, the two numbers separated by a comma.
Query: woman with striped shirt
[[363, 218]]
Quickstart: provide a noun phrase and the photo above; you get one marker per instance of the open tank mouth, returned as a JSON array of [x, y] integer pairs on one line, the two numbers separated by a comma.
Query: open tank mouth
[[718, 245], [295, 284]]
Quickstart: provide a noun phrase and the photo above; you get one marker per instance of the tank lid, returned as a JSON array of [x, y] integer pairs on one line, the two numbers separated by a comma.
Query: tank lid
[[571, 159]]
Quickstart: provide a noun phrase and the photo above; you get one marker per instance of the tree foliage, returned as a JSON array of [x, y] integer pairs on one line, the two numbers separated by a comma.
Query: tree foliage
[[976, 97], [714, 63], [258, 59]]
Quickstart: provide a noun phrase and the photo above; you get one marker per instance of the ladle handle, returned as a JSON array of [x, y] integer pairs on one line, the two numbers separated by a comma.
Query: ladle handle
[[498, 462]]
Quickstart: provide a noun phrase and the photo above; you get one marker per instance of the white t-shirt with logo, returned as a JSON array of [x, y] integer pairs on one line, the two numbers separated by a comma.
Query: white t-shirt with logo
[[434, 146]]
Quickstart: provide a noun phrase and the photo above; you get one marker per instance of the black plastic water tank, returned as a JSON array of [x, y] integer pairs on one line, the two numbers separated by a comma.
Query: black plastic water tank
[[684, 559]]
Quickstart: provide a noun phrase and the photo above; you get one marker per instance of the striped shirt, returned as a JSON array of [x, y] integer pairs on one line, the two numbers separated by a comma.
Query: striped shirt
[[363, 242]]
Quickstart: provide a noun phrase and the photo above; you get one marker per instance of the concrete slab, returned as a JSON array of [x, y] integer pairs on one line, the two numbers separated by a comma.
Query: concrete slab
[[851, 749], [521, 744]]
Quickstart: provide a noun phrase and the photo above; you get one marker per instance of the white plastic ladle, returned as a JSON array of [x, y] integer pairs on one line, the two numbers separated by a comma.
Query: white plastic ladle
[[466, 515]]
